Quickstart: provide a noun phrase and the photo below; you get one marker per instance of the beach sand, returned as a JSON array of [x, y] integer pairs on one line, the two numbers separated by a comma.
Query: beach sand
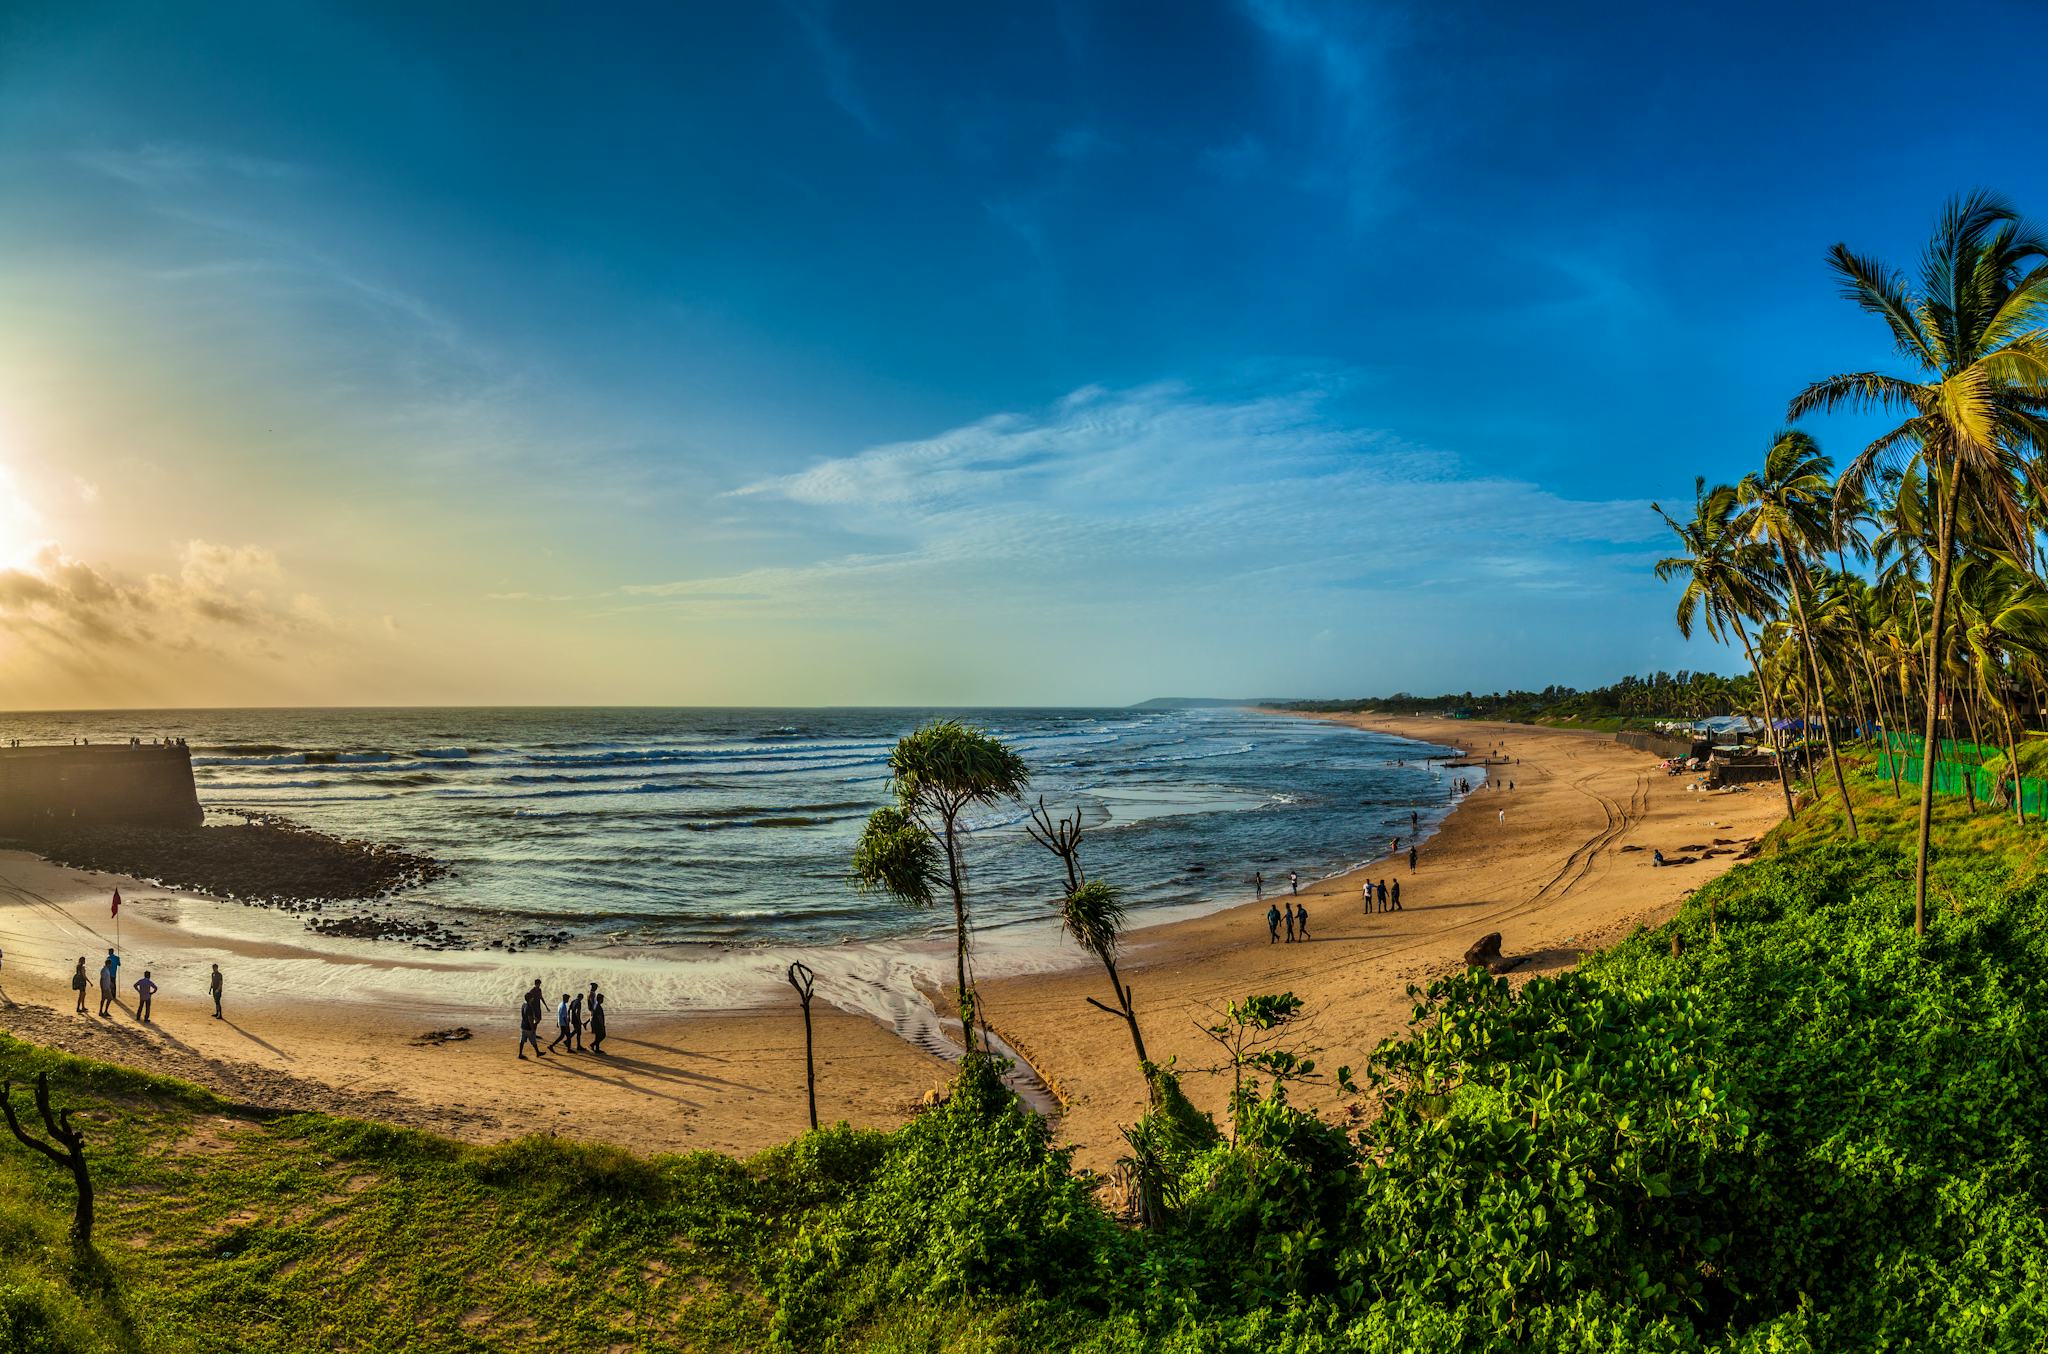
[[318, 1024]]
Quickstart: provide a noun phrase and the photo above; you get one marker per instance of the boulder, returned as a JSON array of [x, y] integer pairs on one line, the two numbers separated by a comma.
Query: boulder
[[1485, 953]]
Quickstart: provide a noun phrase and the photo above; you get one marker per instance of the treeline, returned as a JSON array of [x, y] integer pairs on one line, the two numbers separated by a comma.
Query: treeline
[[1668, 695], [1948, 633]]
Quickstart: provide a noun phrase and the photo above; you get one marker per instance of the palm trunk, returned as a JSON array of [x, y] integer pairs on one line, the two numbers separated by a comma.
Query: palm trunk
[[1796, 575], [1884, 721], [1944, 544], [2012, 755], [966, 993], [1763, 694]]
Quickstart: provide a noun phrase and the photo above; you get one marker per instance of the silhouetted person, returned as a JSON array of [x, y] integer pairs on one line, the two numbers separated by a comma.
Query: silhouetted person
[[1301, 920], [1259, 885], [1383, 895], [1411, 859], [1272, 926], [1397, 895], [529, 1021], [576, 1022], [1288, 914], [596, 1022], [145, 988], [561, 1024], [79, 982], [213, 986]]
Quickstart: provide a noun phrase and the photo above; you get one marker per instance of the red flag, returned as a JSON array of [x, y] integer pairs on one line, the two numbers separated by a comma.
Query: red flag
[[117, 904]]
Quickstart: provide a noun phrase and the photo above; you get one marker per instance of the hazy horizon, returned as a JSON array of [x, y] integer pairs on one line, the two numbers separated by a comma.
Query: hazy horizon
[[911, 356]]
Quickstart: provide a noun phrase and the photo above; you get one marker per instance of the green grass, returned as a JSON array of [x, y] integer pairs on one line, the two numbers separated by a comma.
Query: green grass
[[217, 1230]]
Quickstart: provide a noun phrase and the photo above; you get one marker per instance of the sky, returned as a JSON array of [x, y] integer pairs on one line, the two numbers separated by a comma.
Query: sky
[[800, 353]]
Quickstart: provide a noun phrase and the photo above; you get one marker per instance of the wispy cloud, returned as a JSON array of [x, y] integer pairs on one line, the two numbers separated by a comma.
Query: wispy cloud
[[1138, 496], [1339, 54], [835, 64], [160, 163]]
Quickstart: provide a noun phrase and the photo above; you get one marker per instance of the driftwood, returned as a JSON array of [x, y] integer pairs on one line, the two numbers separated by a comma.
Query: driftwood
[[72, 1157]]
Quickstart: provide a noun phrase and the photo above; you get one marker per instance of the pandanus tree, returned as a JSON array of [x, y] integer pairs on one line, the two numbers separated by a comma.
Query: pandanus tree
[[912, 849], [1786, 506], [1092, 913], [1974, 408], [1726, 579]]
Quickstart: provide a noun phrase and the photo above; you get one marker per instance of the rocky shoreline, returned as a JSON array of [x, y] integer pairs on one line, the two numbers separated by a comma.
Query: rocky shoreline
[[267, 860]]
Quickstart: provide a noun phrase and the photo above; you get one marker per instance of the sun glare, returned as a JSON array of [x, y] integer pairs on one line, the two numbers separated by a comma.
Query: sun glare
[[19, 522]]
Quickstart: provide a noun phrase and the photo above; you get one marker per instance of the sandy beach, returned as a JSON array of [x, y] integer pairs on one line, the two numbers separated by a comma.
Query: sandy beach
[[338, 1025]]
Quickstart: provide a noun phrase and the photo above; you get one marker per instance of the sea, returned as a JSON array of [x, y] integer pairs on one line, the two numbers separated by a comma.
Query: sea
[[734, 827]]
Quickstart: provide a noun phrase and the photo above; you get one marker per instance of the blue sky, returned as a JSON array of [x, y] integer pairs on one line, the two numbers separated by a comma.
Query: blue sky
[[870, 353]]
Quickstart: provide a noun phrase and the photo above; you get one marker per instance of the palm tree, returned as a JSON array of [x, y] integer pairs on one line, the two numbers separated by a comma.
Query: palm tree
[[912, 847], [1786, 505], [1974, 407], [1725, 580]]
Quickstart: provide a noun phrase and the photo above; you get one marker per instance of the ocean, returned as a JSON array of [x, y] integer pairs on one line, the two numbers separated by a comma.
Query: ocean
[[733, 828]]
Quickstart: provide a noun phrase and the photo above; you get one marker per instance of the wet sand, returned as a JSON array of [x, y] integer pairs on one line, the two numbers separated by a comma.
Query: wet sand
[[325, 1025]]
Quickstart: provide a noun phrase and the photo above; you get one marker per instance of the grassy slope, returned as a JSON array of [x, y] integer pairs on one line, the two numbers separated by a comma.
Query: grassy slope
[[219, 1230]]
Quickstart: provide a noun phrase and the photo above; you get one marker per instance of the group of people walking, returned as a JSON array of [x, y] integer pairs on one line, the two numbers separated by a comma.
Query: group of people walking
[[1296, 918], [146, 988], [573, 1015]]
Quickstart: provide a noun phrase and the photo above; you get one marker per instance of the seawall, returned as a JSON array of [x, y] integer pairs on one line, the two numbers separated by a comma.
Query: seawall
[[146, 785]]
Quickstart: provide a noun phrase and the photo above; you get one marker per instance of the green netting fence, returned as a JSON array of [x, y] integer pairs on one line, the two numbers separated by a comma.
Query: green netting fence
[[1959, 769]]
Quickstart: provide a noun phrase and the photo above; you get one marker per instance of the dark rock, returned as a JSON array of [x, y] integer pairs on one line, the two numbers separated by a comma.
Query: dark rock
[[1485, 953]]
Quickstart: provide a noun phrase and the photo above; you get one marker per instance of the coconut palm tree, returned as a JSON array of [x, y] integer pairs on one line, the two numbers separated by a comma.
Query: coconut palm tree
[[912, 848], [1726, 578], [1973, 408], [1787, 505]]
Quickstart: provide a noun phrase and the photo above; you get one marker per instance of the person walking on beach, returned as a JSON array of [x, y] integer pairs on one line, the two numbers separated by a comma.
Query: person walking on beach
[[145, 988], [529, 1021], [1272, 925], [1293, 882], [597, 1022], [79, 983], [106, 985], [1411, 860], [1366, 888], [213, 987], [1259, 885], [561, 1024], [1396, 899], [1301, 920], [1383, 896], [1288, 913], [576, 1023]]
